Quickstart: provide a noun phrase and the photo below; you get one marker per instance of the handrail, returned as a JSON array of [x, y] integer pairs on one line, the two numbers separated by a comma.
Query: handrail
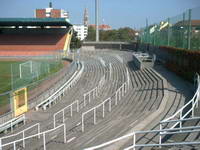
[[12, 121], [63, 112], [35, 135], [120, 92], [73, 79], [23, 131], [164, 131]]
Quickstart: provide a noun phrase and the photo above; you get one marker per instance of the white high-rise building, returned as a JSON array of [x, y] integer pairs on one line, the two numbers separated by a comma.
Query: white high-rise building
[[82, 31]]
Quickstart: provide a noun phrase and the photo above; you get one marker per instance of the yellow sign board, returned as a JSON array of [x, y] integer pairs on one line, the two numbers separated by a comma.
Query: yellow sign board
[[20, 102]]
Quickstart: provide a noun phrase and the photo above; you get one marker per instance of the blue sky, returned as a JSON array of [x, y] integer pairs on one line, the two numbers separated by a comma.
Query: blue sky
[[117, 13]]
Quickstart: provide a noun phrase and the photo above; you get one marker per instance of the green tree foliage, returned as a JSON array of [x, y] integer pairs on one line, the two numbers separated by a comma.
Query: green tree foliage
[[75, 42], [123, 34]]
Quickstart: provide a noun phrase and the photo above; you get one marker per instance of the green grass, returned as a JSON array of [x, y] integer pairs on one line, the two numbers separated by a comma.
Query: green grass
[[5, 78]]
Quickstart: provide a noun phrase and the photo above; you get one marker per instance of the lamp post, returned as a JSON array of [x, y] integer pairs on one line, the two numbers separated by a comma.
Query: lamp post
[[97, 19]]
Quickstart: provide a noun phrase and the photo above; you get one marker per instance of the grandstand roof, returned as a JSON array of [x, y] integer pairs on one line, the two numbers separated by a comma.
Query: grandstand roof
[[34, 22]]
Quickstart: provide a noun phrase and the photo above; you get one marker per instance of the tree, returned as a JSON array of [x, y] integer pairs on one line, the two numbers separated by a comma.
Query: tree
[[123, 34], [75, 42]]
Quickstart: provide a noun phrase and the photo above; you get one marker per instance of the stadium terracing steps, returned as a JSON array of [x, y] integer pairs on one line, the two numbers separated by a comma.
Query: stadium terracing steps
[[143, 98]]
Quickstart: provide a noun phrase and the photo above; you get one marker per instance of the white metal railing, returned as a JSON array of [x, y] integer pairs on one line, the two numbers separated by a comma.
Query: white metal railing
[[94, 92], [95, 109], [165, 131], [179, 114], [133, 136], [62, 111], [61, 91], [37, 125], [121, 91], [23, 140], [12, 122]]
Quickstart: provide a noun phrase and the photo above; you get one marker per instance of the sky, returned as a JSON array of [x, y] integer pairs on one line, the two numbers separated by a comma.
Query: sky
[[116, 13]]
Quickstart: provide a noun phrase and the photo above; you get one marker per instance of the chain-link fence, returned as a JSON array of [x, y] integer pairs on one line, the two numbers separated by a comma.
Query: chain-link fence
[[181, 31]]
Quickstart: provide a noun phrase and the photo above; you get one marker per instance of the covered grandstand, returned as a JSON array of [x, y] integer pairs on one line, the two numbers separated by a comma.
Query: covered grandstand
[[34, 36]]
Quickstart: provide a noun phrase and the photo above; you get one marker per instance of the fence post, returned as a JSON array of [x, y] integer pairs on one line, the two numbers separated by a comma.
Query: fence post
[[65, 139], [54, 120], [189, 30], [94, 115], [116, 97], [44, 141], [103, 110], [82, 122], [77, 106], [63, 115], [193, 108], [134, 141], [160, 138], [39, 131], [23, 136], [89, 97], [1, 144], [110, 70], [109, 104], [180, 119], [84, 100], [14, 145], [71, 107]]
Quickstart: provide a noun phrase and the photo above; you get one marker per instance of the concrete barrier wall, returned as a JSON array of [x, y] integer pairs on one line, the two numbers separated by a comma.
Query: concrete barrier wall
[[138, 62]]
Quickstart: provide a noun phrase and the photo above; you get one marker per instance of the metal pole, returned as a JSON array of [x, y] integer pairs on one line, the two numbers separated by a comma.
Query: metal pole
[[23, 134], [109, 105], [71, 110], [97, 19], [189, 30], [0, 144], [94, 115], [65, 138], [160, 137], [183, 30], [82, 122], [103, 109], [44, 141], [134, 141], [168, 32]]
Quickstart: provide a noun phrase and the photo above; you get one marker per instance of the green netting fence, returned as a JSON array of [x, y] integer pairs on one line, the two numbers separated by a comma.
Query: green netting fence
[[16, 75], [181, 31]]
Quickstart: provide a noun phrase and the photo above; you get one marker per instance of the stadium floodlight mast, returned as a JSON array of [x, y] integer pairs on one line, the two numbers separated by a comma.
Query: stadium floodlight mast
[[97, 19]]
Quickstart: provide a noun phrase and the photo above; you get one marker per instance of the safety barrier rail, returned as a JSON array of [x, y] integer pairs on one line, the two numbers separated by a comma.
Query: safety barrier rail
[[179, 114], [61, 91], [37, 125], [23, 140], [166, 131], [94, 92], [94, 109], [11, 123], [62, 111], [133, 136], [118, 95]]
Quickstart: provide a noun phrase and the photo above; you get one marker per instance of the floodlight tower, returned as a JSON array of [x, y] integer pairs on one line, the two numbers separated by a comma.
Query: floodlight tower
[[97, 19]]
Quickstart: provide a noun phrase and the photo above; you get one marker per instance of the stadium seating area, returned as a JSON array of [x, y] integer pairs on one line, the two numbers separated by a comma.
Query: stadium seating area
[[150, 90], [24, 42]]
